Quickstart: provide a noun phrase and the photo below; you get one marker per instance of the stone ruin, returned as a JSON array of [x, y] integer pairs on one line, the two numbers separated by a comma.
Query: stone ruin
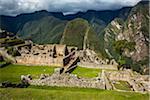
[[5, 34], [104, 80], [89, 59], [137, 82], [61, 55], [49, 55], [67, 80], [68, 58]]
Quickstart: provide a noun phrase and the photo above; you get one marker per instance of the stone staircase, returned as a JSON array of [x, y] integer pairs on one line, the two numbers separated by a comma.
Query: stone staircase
[[4, 53], [72, 63]]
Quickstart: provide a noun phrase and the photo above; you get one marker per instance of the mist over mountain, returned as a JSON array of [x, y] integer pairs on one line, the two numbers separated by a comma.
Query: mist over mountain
[[15, 7]]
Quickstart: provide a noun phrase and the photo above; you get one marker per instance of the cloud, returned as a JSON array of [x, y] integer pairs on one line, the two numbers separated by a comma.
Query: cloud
[[14, 7]]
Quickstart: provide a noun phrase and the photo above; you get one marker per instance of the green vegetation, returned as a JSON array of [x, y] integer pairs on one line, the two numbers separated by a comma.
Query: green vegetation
[[121, 45], [86, 72], [74, 33], [2, 62], [12, 73], [125, 62], [140, 66], [2, 40], [110, 34], [45, 30], [138, 14], [122, 85], [14, 41], [11, 41], [93, 42], [64, 93]]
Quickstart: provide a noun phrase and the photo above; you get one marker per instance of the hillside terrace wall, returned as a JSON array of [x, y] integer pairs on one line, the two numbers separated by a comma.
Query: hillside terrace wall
[[119, 75], [103, 81], [39, 60], [139, 83], [69, 80], [98, 66]]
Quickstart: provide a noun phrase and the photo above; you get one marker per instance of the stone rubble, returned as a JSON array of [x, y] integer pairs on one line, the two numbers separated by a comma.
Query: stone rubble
[[104, 80], [68, 80]]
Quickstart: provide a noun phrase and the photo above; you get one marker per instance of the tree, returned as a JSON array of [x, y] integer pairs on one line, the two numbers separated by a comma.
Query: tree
[[119, 47]]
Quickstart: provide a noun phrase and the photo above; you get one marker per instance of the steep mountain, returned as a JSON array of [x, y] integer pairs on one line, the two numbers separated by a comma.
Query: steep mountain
[[74, 33], [79, 33], [128, 40], [14, 24], [98, 19], [45, 30], [110, 34]]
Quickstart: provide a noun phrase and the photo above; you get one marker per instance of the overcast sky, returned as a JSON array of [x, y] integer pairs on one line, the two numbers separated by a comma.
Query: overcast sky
[[14, 7]]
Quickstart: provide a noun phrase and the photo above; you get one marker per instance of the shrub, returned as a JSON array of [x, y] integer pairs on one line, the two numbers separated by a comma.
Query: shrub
[[121, 45]]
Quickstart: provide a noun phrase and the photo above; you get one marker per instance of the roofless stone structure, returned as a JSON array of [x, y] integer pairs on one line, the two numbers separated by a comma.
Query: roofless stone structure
[[50, 55]]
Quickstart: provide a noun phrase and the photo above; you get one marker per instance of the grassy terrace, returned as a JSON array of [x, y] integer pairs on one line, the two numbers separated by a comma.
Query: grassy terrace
[[86, 72], [122, 85], [64, 93], [13, 72], [2, 62]]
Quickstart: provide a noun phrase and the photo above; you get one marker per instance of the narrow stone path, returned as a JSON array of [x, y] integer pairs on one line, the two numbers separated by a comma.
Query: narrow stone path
[[85, 38], [72, 63], [4, 53]]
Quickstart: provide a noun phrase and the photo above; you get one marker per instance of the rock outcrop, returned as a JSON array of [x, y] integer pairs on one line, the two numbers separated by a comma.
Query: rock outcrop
[[134, 30]]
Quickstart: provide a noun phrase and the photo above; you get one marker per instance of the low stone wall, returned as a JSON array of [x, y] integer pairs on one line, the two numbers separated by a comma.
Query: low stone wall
[[139, 83], [38, 60], [119, 75], [69, 80], [45, 55], [105, 80], [98, 66]]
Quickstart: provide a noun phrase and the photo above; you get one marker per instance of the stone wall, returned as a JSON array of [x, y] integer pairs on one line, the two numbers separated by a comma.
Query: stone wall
[[139, 83], [39, 60], [98, 66], [50, 55], [119, 75], [69, 80], [105, 80], [89, 59]]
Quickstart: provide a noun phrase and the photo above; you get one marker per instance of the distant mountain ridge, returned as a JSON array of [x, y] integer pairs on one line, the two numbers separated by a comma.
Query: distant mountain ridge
[[26, 25], [18, 21]]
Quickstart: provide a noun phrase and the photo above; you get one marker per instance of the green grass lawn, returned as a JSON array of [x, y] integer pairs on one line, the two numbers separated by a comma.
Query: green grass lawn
[[12, 73], [64, 93], [86, 72], [122, 85], [2, 62]]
